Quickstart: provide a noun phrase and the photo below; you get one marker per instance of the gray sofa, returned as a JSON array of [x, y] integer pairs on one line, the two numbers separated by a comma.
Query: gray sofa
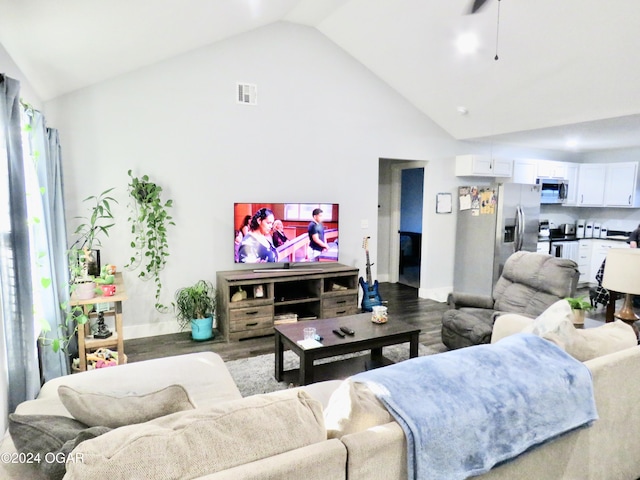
[[608, 450]]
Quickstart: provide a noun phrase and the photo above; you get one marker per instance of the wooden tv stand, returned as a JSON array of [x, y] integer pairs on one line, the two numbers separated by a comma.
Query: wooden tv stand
[[320, 290]]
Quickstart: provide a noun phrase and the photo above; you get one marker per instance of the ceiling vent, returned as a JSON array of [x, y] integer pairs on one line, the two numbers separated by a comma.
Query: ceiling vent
[[247, 94]]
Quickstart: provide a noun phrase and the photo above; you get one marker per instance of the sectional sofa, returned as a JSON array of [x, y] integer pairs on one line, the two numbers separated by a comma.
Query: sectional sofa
[[283, 434]]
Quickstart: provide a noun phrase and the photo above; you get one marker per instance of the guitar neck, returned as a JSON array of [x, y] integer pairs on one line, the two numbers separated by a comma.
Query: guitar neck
[[368, 269]]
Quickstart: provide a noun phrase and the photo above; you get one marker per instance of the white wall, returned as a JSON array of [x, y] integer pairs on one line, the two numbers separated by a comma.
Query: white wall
[[320, 126], [9, 67]]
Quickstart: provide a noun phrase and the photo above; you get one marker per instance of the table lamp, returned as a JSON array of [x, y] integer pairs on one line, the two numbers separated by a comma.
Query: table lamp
[[622, 274]]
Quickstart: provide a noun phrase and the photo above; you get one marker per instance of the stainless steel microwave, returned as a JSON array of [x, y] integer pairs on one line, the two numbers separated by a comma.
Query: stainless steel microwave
[[553, 190]]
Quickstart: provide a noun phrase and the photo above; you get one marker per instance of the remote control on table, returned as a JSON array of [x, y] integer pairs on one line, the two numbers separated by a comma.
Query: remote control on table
[[348, 331], [339, 333]]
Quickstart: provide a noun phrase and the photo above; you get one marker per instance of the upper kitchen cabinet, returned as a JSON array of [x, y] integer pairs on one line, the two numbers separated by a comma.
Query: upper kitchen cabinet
[[552, 169], [572, 180], [608, 185], [525, 171], [591, 184], [483, 166], [621, 188]]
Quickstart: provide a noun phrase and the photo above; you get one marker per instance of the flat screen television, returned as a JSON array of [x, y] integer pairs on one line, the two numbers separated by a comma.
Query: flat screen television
[[278, 233]]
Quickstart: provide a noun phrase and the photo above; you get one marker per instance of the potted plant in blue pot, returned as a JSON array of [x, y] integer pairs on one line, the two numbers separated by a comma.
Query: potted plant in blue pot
[[196, 306]]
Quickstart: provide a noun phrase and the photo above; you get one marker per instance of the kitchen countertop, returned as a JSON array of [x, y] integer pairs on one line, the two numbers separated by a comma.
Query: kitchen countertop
[[571, 238]]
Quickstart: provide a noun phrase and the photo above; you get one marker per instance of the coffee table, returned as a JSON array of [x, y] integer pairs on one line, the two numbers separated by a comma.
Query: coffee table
[[368, 336]]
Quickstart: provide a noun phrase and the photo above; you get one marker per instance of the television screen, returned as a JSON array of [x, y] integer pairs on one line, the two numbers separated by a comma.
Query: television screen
[[285, 232]]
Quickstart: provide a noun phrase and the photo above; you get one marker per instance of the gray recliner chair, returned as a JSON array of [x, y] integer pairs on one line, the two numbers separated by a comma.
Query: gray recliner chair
[[529, 284]]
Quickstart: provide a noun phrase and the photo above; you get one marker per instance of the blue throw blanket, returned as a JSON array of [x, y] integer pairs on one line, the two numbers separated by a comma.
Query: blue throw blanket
[[467, 410]]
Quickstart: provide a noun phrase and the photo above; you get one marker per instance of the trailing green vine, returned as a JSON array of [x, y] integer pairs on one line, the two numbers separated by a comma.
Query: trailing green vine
[[149, 221]]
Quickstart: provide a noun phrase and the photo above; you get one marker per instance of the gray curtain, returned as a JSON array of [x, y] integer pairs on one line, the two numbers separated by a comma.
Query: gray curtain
[[50, 238], [16, 295]]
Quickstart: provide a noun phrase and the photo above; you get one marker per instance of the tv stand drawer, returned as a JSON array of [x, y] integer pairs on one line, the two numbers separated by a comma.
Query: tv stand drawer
[[341, 301]]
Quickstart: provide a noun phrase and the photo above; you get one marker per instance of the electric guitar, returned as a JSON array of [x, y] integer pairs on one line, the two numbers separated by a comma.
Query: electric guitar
[[370, 296]]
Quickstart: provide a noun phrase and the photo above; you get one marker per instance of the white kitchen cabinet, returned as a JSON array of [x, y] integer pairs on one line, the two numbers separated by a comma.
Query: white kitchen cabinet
[[572, 180], [621, 188], [552, 169], [599, 250], [483, 166], [591, 184], [584, 261], [525, 171], [542, 247]]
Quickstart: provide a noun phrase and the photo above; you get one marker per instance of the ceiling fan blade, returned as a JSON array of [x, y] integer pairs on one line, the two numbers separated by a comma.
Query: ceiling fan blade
[[477, 5]]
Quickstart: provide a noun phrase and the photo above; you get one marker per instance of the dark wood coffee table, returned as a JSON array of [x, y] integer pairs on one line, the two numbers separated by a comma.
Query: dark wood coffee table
[[368, 336]]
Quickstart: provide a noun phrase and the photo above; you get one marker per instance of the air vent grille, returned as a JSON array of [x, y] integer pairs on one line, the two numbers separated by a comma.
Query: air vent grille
[[247, 93]]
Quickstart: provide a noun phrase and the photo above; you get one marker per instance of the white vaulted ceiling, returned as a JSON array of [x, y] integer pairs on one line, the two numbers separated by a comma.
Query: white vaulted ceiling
[[567, 69]]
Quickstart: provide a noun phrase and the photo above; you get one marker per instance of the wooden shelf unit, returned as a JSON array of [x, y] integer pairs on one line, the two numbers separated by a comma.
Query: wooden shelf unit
[[86, 342], [317, 291]]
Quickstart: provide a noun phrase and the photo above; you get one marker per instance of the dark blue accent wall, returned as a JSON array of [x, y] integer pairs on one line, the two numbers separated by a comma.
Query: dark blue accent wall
[[411, 200]]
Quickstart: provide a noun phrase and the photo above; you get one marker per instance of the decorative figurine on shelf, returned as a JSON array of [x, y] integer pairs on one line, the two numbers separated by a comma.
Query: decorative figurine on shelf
[[103, 331]]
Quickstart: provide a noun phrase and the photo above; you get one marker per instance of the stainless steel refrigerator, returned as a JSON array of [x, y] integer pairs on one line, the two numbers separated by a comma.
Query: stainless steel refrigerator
[[502, 219]]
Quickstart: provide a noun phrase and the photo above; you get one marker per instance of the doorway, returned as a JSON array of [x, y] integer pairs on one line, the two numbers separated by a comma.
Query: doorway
[[401, 195]]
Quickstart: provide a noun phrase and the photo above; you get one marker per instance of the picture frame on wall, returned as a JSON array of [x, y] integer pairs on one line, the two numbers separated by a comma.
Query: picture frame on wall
[[443, 203]]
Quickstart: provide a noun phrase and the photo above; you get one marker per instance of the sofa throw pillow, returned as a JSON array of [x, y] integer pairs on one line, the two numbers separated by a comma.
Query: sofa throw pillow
[[594, 342], [49, 439], [555, 324], [109, 410], [198, 442], [352, 408]]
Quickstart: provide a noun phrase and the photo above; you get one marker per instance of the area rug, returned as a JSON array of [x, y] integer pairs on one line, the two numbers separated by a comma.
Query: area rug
[[255, 375]]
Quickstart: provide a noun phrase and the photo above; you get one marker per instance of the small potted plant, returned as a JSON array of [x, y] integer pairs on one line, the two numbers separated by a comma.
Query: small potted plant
[[196, 306], [82, 263], [579, 306]]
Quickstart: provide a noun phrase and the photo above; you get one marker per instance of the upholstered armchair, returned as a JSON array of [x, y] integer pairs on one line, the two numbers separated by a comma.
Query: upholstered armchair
[[529, 284]]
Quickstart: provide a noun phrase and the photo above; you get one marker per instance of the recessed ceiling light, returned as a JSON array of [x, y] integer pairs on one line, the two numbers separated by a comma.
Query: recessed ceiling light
[[467, 43], [572, 143]]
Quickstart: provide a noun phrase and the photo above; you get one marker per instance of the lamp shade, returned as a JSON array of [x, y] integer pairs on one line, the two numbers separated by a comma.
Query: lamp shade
[[622, 271]]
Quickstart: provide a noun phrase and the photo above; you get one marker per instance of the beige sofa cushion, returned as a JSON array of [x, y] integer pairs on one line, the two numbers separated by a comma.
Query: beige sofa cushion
[[197, 442], [352, 408], [556, 324], [113, 411]]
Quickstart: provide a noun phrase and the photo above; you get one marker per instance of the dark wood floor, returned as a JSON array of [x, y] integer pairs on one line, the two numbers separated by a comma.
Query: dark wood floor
[[402, 301]]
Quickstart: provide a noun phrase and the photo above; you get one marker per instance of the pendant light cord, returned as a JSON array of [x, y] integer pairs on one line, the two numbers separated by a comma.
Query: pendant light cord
[[497, 31]]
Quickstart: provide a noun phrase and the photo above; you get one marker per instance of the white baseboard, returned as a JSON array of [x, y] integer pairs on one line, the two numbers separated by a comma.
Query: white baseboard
[[383, 277], [437, 294]]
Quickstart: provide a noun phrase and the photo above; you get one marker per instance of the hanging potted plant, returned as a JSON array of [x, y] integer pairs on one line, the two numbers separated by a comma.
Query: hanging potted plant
[[149, 221], [579, 307], [196, 306]]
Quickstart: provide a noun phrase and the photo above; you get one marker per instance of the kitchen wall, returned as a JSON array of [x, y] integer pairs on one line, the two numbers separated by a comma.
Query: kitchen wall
[[624, 219]]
